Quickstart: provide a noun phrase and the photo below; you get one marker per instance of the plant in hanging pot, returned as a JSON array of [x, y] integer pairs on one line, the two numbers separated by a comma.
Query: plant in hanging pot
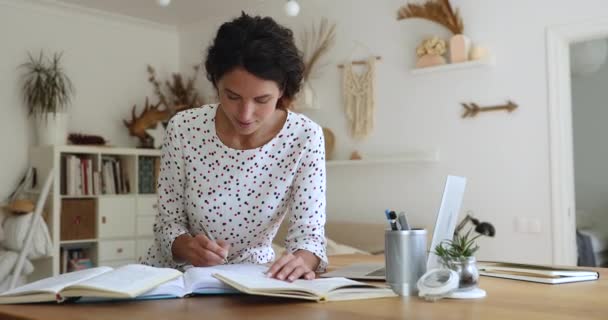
[[458, 254], [47, 93]]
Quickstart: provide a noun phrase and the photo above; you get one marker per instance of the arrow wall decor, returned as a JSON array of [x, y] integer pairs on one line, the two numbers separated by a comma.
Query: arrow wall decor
[[472, 109]]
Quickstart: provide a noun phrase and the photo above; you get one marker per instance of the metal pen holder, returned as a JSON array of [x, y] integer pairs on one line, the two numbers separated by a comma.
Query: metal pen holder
[[405, 258]]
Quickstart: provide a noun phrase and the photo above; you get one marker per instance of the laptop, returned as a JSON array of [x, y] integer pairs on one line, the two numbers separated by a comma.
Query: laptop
[[445, 224]]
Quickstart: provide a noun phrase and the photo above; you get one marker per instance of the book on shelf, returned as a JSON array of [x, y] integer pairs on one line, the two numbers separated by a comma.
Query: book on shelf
[[77, 175], [535, 273], [131, 282], [322, 289]]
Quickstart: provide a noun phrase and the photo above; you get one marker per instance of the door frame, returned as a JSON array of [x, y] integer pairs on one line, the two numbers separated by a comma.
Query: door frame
[[561, 154]]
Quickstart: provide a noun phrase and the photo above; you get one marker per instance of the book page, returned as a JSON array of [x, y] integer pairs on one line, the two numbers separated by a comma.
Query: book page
[[130, 281], [200, 279], [56, 284], [261, 283], [325, 285], [175, 288]]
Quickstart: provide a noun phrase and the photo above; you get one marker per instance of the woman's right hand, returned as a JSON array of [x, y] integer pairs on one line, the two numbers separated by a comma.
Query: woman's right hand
[[199, 250]]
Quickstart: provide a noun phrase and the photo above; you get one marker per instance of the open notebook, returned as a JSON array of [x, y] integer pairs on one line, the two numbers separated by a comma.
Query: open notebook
[[129, 282], [535, 273], [328, 289]]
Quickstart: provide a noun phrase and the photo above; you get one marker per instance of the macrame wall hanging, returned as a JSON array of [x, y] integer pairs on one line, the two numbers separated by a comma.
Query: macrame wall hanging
[[359, 102]]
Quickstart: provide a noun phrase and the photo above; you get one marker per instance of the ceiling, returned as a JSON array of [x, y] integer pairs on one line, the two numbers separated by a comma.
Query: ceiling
[[179, 12]]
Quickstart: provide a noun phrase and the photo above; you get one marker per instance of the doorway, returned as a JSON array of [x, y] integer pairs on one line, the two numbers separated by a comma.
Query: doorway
[[563, 203]]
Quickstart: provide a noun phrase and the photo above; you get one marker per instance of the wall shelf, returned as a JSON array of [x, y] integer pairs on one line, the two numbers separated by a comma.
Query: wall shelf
[[490, 61], [414, 158]]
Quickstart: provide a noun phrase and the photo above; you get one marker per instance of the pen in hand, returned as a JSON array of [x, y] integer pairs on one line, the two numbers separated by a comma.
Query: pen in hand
[[210, 237]]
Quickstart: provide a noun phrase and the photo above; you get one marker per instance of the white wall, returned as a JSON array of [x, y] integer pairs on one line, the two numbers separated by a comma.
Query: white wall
[[104, 55], [505, 157], [590, 111]]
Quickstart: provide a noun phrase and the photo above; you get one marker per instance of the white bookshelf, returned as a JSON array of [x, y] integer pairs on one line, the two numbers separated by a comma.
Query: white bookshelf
[[123, 230]]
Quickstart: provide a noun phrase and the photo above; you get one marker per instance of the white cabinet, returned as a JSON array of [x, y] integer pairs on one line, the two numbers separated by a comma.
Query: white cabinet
[[147, 205], [116, 217], [144, 226], [116, 250]]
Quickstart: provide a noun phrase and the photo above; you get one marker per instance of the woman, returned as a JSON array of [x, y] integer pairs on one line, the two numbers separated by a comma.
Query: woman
[[236, 169]]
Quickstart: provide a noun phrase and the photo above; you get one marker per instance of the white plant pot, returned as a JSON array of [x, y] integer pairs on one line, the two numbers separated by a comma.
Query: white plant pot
[[52, 129]]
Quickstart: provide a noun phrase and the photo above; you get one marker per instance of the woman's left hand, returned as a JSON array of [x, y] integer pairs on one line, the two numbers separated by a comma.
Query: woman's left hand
[[292, 266]]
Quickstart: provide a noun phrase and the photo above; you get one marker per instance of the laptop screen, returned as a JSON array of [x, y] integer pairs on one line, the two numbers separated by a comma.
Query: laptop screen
[[447, 216]]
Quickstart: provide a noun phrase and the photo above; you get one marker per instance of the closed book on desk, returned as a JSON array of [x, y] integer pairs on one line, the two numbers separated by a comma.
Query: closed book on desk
[[535, 273], [327, 289], [125, 282]]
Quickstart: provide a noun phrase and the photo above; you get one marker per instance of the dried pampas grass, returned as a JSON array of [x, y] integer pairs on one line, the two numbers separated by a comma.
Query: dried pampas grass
[[439, 11], [315, 44]]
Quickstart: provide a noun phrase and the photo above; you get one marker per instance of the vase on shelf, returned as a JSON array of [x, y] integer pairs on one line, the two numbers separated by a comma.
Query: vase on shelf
[[429, 60], [459, 48]]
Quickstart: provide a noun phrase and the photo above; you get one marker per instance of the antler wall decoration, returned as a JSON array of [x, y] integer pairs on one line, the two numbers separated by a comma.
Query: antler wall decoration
[[472, 109], [149, 118]]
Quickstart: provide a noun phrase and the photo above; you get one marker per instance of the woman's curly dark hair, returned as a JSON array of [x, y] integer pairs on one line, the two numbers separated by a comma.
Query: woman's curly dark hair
[[263, 48]]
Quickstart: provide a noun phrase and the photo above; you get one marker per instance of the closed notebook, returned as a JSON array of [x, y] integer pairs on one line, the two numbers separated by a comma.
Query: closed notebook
[[327, 289], [125, 282], [535, 273]]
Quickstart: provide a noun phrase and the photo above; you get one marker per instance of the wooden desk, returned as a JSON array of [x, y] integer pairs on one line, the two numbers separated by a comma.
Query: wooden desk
[[507, 299]]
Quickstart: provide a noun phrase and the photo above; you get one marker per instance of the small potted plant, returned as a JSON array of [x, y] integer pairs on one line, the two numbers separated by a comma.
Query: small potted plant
[[47, 92], [458, 254]]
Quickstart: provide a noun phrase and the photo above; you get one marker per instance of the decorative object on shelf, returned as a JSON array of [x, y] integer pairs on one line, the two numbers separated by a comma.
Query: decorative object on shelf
[[147, 175], [441, 12], [478, 53], [330, 142], [430, 52], [86, 139], [149, 118], [472, 109], [355, 155], [315, 44], [460, 45], [47, 93], [359, 101], [157, 134], [177, 94]]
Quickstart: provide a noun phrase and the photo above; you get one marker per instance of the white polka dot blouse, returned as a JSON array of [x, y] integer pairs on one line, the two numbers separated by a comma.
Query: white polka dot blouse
[[240, 196]]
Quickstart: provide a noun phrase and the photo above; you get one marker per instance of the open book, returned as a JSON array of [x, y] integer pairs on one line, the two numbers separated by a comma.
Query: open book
[[535, 273], [199, 281], [327, 289], [128, 282]]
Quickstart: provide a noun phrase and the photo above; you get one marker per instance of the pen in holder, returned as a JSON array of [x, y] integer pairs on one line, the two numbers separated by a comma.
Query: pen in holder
[[405, 258]]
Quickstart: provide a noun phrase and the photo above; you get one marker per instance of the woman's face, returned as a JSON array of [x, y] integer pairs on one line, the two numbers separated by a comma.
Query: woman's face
[[246, 100]]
